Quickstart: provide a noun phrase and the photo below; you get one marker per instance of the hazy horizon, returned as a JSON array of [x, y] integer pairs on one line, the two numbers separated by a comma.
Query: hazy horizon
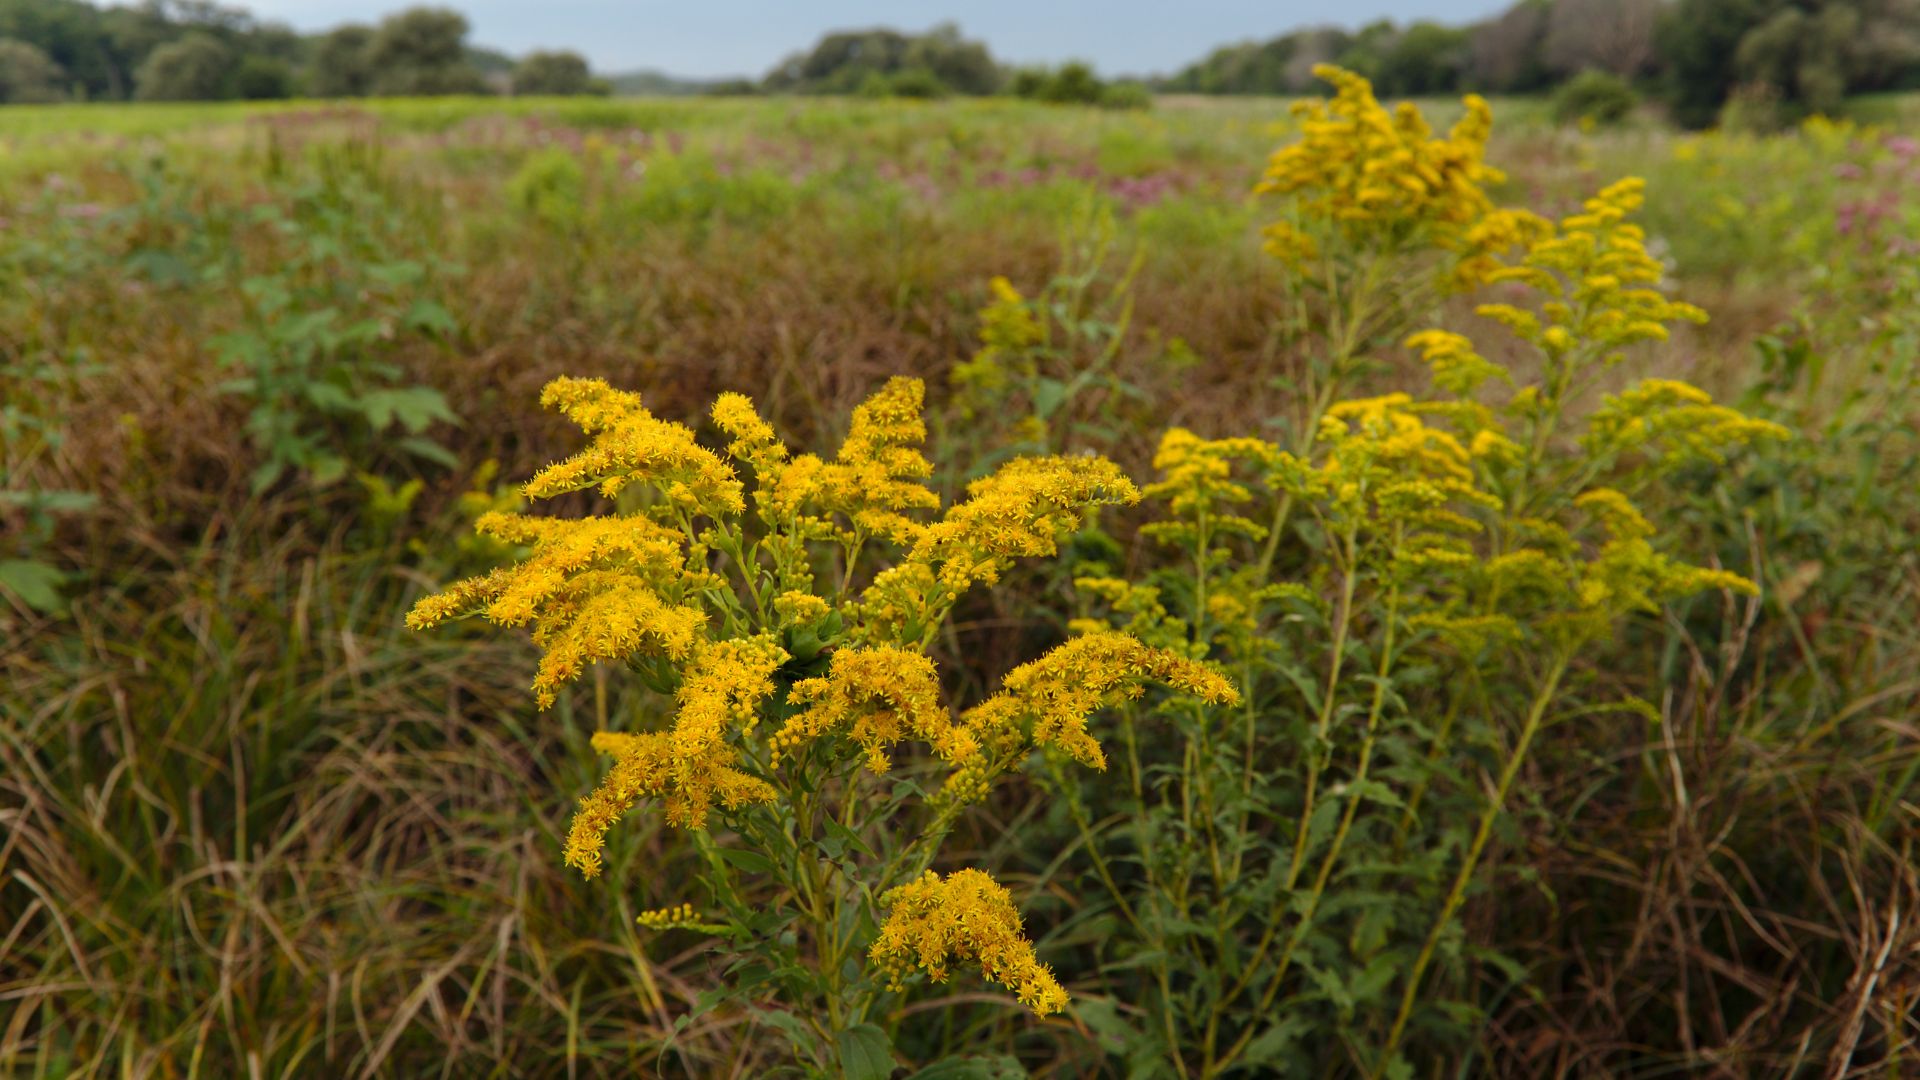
[[718, 40]]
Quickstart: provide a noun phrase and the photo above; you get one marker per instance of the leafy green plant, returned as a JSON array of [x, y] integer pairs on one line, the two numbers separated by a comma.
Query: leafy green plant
[[312, 352], [1300, 865], [1593, 98], [1046, 373]]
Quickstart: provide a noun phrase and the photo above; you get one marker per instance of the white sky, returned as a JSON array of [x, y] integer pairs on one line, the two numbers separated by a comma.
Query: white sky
[[746, 37]]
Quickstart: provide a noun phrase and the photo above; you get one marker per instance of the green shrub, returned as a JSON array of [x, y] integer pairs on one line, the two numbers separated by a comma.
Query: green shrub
[[1598, 98], [1126, 95]]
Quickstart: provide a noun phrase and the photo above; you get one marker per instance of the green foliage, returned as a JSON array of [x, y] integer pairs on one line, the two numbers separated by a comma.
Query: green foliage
[[558, 74], [342, 63], [1593, 98], [845, 62], [1074, 83], [311, 356], [916, 82], [197, 67], [422, 52], [28, 76], [1805, 57], [262, 78], [551, 186], [1425, 58]]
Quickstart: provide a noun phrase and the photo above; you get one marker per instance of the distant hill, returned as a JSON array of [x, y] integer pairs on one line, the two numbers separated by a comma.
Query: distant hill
[[649, 83]]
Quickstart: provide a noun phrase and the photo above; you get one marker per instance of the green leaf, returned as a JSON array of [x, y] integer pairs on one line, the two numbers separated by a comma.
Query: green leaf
[[848, 838], [265, 475], [751, 861], [422, 447], [414, 406], [865, 1053], [327, 395], [327, 469], [430, 318], [998, 1067], [1271, 1045], [1048, 396], [37, 584], [1103, 1018]]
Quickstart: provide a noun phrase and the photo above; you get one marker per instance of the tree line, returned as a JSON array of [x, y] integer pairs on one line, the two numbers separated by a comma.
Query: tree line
[[1700, 57], [1769, 59], [195, 50]]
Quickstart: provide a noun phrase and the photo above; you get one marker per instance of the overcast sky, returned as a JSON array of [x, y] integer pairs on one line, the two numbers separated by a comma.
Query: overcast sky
[[705, 38]]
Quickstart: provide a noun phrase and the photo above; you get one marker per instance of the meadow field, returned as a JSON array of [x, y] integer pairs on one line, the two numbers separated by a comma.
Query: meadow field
[[1538, 695]]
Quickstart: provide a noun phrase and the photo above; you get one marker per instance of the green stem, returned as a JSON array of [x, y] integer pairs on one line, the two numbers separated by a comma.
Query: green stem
[[1536, 715]]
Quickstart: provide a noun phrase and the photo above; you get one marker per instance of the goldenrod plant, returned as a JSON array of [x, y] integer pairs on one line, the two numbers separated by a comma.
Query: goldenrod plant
[[1406, 606], [1047, 376], [785, 619], [1377, 219]]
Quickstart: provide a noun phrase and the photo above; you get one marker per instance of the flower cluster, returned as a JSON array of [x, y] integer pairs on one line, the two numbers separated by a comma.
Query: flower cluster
[[1021, 511], [1595, 275], [876, 697], [966, 917], [1047, 702], [1009, 332], [666, 918], [1379, 181], [729, 620]]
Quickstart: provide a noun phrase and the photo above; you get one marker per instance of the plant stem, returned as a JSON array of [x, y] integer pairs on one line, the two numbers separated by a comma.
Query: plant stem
[[1489, 815]]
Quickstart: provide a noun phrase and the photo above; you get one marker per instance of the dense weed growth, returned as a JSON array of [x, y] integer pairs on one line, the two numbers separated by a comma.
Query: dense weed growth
[[1464, 688]]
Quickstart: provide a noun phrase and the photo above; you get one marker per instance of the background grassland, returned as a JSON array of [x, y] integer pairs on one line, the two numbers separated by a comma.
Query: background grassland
[[253, 827]]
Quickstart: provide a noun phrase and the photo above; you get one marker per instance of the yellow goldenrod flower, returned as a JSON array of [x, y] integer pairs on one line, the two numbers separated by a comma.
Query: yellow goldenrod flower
[[1380, 181], [1009, 331], [630, 445], [1674, 424], [1047, 702], [1020, 511], [966, 918], [877, 697], [666, 918]]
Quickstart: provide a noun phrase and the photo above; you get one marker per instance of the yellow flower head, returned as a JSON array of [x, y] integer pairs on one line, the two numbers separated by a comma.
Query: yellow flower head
[[1020, 511], [877, 697], [592, 589], [1596, 280], [630, 445], [1048, 701], [1379, 181], [967, 917]]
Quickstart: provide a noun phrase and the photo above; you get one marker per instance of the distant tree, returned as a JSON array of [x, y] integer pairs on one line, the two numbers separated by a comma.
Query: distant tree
[[1366, 51], [422, 51], [342, 64], [960, 65], [1309, 49], [263, 78], [1698, 40], [1785, 57], [1072, 83], [28, 75], [1504, 54], [1027, 81], [1426, 58], [1804, 57], [1616, 36], [556, 73], [194, 67], [841, 62]]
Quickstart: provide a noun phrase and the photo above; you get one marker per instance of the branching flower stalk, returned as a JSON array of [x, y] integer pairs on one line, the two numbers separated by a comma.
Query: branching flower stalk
[[784, 696], [1445, 534]]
